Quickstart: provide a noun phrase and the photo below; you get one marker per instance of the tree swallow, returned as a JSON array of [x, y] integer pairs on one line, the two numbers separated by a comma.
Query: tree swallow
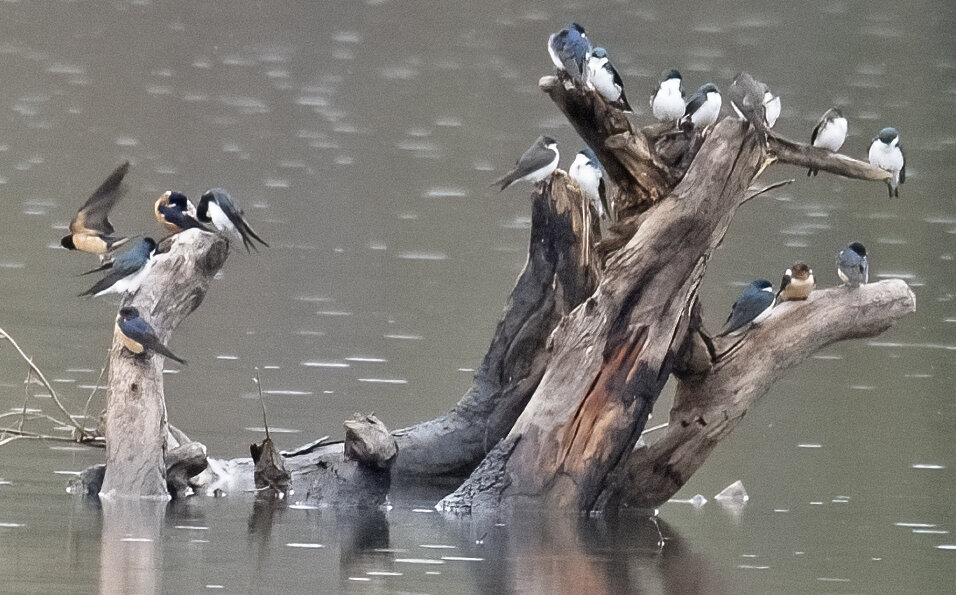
[[829, 133], [604, 78], [703, 107], [569, 49], [126, 271], [534, 165], [175, 212], [886, 152], [586, 171], [218, 208], [756, 299], [747, 97], [797, 283], [90, 228], [138, 336], [852, 265], [667, 103], [771, 104]]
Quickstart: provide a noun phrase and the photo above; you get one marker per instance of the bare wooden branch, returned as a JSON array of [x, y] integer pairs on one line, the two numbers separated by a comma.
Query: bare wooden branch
[[708, 405], [136, 425], [806, 156]]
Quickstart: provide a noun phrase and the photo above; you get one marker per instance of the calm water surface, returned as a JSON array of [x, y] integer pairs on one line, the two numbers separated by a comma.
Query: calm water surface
[[361, 138]]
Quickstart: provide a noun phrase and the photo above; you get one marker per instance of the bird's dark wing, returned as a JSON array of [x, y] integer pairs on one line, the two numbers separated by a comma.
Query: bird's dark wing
[[179, 218], [94, 213], [693, 104], [903, 169], [816, 130], [139, 330]]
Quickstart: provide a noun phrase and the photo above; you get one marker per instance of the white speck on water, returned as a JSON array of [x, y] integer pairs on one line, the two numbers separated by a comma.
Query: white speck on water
[[333, 313], [276, 183], [278, 430], [404, 337], [325, 364], [809, 445], [126, 141], [781, 510], [931, 531], [816, 503], [215, 586], [357, 358], [298, 393], [419, 561], [433, 572], [449, 121], [752, 567], [919, 525], [313, 546], [946, 546], [192, 527], [362, 579], [425, 510], [384, 573], [11, 525], [299, 506], [70, 473], [423, 256], [922, 345], [862, 387], [438, 546], [462, 559], [227, 357], [137, 539], [384, 380], [445, 192], [833, 580], [928, 466]]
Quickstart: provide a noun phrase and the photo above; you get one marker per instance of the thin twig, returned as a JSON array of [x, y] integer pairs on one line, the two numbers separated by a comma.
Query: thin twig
[[767, 189], [655, 428], [38, 436], [56, 399], [262, 402], [86, 408], [26, 397]]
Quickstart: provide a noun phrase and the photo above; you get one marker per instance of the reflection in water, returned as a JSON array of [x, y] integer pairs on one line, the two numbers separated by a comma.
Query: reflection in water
[[131, 546]]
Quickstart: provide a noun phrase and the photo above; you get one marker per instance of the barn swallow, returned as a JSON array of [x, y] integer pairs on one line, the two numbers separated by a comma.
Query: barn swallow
[[126, 271], [703, 107], [829, 133], [569, 49], [797, 283], [756, 299], [667, 102], [138, 336], [218, 208], [605, 79], [175, 212], [852, 265], [886, 152], [534, 165], [90, 228]]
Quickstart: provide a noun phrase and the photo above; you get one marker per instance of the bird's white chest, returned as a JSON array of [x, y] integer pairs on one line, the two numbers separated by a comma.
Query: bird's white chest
[[886, 157], [831, 135], [707, 113], [602, 79]]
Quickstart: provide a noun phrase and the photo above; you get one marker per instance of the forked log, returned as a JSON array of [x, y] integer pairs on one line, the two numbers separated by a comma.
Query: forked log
[[136, 425], [712, 400]]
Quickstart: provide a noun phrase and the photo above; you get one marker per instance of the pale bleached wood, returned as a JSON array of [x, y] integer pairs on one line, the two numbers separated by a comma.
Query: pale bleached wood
[[136, 425], [710, 403]]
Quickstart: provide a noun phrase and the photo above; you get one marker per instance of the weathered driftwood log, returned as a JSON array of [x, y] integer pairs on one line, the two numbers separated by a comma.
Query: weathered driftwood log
[[712, 400], [554, 281], [136, 426], [571, 447], [355, 473]]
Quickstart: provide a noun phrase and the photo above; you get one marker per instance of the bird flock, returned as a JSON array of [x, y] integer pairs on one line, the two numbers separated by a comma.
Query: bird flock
[[590, 68], [124, 271]]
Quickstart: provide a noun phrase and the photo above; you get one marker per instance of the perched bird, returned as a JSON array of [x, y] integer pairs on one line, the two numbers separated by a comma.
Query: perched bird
[[771, 104], [218, 208], [852, 265], [586, 171], [569, 49], [90, 229], [829, 133], [886, 152], [604, 78], [667, 103], [126, 271], [754, 301], [703, 107], [138, 336], [534, 165], [797, 283], [747, 96], [176, 213]]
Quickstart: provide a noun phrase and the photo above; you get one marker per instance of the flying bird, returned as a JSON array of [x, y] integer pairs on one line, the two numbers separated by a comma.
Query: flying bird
[[797, 283], [138, 336], [886, 152], [569, 49], [829, 133], [667, 102], [126, 271], [534, 165], [218, 208], [852, 265], [605, 79], [175, 212], [90, 229], [755, 299]]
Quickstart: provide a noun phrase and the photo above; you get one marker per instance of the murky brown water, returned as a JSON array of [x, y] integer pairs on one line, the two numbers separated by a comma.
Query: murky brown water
[[361, 138]]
